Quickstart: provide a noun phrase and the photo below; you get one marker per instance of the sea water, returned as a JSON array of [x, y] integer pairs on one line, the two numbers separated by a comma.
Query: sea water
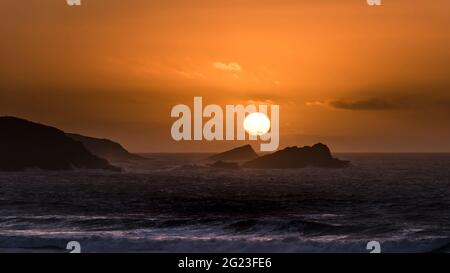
[[173, 204]]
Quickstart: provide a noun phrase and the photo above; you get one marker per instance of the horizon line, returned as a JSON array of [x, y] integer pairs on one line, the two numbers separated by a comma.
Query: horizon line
[[338, 152]]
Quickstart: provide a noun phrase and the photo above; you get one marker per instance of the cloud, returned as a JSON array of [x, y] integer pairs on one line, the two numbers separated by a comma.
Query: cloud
[[231, 67], [368, 104], [315, 103]]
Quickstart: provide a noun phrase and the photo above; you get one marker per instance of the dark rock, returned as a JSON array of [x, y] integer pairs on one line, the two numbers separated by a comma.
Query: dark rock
[[294, 157], [225, 165], [242, 153], [105, 148], [25, 144]]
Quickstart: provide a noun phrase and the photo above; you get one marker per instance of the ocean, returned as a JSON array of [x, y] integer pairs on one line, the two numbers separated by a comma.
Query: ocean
[[172, 204]]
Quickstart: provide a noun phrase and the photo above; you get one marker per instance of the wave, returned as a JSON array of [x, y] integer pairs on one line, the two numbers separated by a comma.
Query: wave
[[401, 202], [114, 243], [219, 224]]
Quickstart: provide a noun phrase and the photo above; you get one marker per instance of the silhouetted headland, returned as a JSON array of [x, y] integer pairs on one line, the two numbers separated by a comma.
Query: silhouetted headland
[[318, 155], [105, 148], [25, 145], [242, 153]]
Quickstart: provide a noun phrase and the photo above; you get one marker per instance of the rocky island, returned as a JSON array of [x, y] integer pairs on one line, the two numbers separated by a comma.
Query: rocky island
[[319, 155], [243, 153]]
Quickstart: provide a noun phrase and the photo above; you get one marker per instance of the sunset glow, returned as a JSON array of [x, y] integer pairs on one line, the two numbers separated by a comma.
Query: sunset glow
[[257, 124], [108, 70]]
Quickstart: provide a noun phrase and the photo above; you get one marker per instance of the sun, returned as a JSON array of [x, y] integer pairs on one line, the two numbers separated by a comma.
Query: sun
[[257, 124]]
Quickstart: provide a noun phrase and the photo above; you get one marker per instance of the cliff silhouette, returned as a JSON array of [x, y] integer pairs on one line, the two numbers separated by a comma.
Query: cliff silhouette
[[25, 144], [105, 148]]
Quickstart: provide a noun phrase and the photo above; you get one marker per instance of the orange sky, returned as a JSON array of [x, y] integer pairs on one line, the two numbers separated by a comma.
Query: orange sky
[[358, 78]]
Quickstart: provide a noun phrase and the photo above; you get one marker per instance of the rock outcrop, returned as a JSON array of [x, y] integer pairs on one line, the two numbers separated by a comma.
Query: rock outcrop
[[318, 155], [243, 153], [225, 165]]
